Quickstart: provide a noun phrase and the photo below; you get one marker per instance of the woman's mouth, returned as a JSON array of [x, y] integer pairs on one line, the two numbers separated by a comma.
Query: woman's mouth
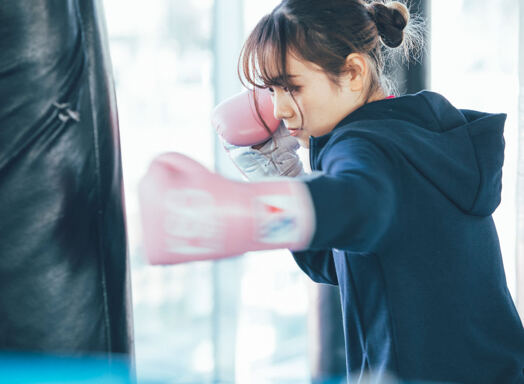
[[294, 131]]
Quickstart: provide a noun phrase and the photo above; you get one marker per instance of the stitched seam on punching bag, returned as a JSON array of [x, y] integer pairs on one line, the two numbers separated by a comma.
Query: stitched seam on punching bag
[[98, 187]]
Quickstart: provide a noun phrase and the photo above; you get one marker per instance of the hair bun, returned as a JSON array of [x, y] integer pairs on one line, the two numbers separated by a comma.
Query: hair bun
[[390, 19]]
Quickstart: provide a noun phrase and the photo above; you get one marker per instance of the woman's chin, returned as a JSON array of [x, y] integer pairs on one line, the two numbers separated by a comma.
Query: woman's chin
[[303, 141]]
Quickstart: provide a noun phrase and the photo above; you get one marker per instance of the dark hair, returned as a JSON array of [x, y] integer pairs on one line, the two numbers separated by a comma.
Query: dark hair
[[325, 32]]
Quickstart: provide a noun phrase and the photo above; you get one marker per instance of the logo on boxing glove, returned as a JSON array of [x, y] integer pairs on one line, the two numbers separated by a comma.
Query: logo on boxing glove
[[276, 219]]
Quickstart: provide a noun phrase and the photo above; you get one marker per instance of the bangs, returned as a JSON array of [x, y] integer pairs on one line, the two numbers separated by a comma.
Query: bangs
[[262, 60]]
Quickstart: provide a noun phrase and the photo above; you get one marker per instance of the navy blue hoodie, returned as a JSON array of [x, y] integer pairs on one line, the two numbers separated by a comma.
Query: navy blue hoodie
[[404, 228]]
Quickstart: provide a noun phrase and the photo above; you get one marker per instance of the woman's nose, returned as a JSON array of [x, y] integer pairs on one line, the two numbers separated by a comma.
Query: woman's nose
[[282, 108]]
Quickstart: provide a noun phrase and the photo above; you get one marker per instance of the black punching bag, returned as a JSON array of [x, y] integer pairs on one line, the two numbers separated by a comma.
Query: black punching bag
[[63, 259]]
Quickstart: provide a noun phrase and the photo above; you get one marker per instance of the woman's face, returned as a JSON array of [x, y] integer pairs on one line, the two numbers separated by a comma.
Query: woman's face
[[323, 103]]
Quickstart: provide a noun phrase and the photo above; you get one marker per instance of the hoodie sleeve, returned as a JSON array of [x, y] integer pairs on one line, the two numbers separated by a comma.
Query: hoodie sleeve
[[318, 265], [355, 197]]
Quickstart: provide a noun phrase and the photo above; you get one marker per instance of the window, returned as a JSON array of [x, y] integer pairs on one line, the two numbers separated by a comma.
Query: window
[[162, 63]]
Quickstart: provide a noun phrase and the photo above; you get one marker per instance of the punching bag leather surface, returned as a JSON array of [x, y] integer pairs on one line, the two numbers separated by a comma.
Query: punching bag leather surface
[[63, 258]]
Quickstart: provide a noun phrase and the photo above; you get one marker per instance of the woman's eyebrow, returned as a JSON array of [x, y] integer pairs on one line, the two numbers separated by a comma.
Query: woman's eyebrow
[[280, 79]]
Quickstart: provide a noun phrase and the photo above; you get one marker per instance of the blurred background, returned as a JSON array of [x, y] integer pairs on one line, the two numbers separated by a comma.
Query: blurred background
[[255, 318]]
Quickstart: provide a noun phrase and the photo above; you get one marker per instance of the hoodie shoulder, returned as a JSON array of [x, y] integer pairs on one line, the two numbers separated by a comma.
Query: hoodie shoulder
[[445, 115], [459, 151]]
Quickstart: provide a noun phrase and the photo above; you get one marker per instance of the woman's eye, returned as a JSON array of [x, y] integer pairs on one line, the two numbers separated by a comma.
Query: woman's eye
[[285, 89]]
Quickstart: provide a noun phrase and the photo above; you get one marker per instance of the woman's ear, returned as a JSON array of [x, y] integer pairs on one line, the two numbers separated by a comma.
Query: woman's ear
[[356, 67]]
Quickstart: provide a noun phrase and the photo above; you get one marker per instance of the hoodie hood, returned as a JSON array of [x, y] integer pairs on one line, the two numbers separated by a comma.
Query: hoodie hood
[[461, 152]]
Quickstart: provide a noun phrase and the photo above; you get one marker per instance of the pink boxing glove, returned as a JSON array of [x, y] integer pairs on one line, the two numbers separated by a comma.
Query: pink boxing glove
[[239, 129], [189, 213], [237, 121]]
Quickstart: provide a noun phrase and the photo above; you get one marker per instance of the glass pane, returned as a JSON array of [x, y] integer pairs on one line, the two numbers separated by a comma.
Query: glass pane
[[272, 329], [162, 61]]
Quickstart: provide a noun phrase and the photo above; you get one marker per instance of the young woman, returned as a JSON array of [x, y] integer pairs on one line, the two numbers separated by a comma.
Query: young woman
[[398, 213], [403, 208]]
